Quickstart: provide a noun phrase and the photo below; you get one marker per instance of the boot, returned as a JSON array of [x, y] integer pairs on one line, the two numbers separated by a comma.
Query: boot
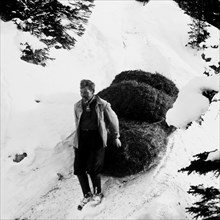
[[87, 198]]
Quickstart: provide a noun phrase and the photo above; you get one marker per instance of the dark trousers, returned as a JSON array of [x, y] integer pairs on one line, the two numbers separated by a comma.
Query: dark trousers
[[89, 159], [84, 183]]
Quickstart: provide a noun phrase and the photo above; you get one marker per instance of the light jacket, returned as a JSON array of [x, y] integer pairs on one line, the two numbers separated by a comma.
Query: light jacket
[[105, 116]]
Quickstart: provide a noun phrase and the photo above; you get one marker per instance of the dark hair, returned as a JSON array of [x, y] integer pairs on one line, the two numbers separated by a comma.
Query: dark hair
[[87, 83]]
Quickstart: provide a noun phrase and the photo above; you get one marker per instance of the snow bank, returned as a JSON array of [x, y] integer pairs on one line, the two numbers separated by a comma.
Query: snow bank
[[170, 187], [214, 156], [191, 103], [41, 134]]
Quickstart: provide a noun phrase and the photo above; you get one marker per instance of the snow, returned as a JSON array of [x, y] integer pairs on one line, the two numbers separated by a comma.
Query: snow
[[191, 103], [214, 156], [136, 37], [27, 38]]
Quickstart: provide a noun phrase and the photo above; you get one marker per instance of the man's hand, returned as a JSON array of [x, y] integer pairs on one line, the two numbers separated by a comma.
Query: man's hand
[[117, 143]]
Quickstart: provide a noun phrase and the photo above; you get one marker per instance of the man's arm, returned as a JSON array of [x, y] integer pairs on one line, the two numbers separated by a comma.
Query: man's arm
[[75, 116], [113, 122]]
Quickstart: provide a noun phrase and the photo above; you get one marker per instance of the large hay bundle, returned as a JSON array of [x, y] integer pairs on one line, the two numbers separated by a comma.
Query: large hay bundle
[[156, 81], [137, 101], [141, 101], [141, 145]]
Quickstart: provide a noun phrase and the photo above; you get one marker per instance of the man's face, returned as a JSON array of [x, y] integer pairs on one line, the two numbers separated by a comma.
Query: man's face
[[86, 93]]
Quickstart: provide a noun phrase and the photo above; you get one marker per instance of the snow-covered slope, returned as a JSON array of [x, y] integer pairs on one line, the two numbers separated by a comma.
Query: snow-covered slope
[[121, 35]]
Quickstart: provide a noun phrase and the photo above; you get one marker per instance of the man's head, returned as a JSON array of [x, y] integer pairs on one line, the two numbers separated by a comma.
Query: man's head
[[87, 89]]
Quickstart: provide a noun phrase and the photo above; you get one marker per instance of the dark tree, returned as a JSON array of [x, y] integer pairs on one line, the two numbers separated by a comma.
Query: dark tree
[[204, 10], [209, 204], [216, 68], [198, 33], [53, 23]]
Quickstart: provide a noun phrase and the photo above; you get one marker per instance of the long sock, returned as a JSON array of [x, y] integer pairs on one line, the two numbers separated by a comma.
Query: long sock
[[96, 182], [84, 183]]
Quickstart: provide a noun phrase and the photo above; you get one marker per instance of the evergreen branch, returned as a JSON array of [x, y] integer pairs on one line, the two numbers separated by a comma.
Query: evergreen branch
[[204, 155], [209, 193], [203, 166], [43, 19], [210, 209]]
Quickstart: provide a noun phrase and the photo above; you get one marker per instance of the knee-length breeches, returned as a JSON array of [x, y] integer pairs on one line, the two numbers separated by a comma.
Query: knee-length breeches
[[89, 156]]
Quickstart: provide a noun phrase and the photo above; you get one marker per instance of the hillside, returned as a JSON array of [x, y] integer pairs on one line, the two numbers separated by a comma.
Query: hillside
[[37, 114]]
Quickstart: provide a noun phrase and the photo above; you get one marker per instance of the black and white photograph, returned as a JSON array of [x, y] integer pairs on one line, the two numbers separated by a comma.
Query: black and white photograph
[[110, 109]]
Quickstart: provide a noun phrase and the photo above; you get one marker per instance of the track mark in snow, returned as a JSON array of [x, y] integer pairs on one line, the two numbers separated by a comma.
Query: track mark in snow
[[124, 197]]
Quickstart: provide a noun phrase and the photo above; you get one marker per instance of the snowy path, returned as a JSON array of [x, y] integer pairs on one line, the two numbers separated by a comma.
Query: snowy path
[[136, 197], [61, 201]]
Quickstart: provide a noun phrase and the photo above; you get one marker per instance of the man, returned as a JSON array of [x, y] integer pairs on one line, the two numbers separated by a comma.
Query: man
[[92, 116]]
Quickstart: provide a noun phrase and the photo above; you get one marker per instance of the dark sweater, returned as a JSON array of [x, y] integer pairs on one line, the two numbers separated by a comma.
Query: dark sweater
[[89, 120]]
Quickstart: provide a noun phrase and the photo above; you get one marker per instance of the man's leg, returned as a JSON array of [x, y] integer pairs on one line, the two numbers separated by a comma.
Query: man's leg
[[80, 171], [96, 182], [84, 183], [96, 165], [98, 195]]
